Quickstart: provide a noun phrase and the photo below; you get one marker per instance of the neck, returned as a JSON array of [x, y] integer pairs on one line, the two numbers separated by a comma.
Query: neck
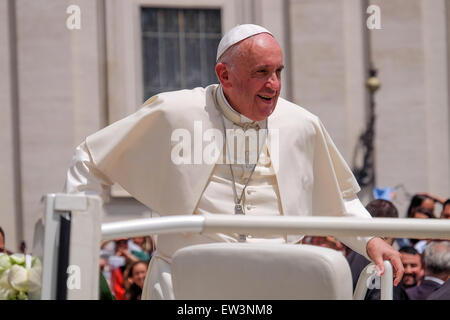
[[235, 107]]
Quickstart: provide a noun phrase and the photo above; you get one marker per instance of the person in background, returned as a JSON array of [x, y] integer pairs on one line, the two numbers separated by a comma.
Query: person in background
[[418, 212], [420, 200], [412, 263], [104, 284], [141, 247], [122, 250], [443, 293], [118, 263], [422, 213], [423, 200], [445, 214], [437, 270], [135, 277], [2, 240], [150, 245]]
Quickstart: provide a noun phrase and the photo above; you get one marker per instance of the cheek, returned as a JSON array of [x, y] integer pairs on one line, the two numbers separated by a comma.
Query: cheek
[[415, 270]]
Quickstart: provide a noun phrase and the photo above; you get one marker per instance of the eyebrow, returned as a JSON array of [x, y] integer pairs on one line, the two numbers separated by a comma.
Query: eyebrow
[[266, 66]]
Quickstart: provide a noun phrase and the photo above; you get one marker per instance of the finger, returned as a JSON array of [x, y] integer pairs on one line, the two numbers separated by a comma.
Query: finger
[[380, 265], [398, 268]]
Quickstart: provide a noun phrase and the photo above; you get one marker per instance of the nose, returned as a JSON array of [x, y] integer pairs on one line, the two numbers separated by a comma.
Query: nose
[[274, 82], [407, 269]]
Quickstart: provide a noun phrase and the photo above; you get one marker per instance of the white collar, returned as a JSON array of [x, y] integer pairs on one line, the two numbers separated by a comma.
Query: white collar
[[440, 281], [232, 114]]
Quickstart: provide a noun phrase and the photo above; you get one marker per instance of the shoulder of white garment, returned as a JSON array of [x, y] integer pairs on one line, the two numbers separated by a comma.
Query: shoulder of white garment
[[179, 98], [290, 114], [288, 107]]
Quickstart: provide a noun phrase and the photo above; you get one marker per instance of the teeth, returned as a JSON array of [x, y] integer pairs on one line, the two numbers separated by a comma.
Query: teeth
[[265, 97]]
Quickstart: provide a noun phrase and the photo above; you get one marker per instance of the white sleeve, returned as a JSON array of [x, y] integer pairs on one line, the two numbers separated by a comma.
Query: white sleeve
[[354, 208], [83, 177]]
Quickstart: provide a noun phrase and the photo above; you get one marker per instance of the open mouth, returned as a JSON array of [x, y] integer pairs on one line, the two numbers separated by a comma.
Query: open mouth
[[266, 98]]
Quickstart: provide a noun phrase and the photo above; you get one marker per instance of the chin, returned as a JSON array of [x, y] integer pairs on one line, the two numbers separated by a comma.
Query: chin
[[264, 112]]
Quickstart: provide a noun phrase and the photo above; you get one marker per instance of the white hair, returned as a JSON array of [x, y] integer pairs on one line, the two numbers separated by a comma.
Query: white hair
[[437, 257]]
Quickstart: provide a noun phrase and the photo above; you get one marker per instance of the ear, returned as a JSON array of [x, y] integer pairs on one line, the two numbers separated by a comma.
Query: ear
[[223, 75]]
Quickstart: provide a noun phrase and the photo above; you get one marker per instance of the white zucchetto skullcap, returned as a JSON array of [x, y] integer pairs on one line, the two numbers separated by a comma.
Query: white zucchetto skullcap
[[238, 34]]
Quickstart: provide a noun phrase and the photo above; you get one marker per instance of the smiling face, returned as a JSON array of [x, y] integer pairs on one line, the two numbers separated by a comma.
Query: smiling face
[[139, 272], [428, 204], [251, 78], [413, 269]]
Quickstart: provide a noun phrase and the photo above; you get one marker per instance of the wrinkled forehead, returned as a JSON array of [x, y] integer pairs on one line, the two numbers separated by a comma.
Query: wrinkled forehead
[[262, 40]]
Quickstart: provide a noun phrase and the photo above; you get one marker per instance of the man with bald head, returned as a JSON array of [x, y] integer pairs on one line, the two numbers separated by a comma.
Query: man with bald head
[[291, 167]]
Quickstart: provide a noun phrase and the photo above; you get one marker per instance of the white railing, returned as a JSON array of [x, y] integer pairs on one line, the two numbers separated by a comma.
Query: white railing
[[365, 277], [318, 226]]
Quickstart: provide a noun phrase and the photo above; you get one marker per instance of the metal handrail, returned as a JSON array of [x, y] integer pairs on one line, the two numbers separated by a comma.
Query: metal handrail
[[149, 226], [258, 225], [368, 275]]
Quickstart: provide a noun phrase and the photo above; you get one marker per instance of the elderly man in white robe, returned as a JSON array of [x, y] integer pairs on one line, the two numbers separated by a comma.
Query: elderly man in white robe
[[297, 172]]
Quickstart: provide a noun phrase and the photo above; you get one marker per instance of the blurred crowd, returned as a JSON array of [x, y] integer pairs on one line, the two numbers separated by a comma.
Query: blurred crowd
[[426, 262], [123, 265]]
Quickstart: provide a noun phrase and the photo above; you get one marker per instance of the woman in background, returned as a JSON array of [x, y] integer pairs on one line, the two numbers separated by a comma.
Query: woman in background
[[136, 277]]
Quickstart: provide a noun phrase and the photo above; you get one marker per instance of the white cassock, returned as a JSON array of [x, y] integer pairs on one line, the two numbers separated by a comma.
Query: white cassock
[[269, 191]]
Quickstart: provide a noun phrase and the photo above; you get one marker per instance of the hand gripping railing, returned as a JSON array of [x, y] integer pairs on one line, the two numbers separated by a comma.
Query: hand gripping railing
[[318, 226], [367, 278]]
